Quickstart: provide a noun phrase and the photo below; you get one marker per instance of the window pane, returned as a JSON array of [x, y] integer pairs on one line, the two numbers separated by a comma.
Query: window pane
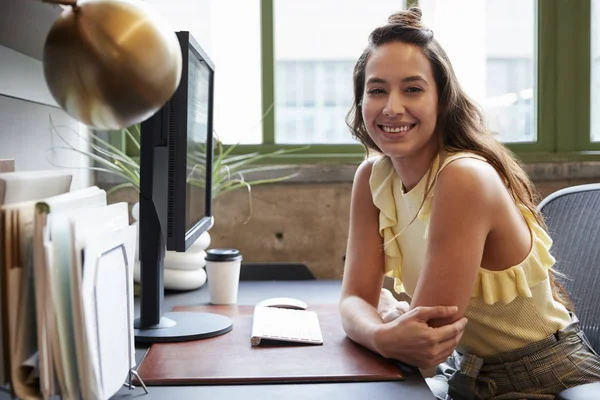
[[595, 70], [237, 103], [317, 43], [491, 46], [238, 83]]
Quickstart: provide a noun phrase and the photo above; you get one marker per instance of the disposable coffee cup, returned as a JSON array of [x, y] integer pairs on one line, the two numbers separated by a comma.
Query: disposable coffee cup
[[223, 272]]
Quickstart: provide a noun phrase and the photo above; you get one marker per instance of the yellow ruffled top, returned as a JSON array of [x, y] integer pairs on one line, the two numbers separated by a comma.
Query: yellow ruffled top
[[508, 309]]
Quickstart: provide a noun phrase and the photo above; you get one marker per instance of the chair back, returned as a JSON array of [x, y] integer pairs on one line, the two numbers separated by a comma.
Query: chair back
[[573, 219]]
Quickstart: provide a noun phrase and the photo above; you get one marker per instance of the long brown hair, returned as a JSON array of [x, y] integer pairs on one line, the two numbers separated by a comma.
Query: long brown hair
[[460, 122]]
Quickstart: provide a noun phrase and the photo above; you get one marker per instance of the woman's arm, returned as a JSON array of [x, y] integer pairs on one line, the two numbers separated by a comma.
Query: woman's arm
[[364, 264], [465, 200], [408, 338]]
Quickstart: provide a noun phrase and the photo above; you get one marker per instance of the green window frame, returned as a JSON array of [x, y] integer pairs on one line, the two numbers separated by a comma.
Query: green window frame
[[563, 85]]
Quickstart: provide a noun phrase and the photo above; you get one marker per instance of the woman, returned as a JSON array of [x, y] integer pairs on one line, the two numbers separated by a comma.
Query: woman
[[450, 215]]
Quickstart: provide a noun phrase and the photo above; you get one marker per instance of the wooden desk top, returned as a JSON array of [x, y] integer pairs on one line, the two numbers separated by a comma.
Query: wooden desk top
[[231, 359], [250, 292]]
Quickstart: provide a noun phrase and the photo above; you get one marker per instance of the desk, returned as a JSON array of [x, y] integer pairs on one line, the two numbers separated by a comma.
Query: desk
[[250, 292]]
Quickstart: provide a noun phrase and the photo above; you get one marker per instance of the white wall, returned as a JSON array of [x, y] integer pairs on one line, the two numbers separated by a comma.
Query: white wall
[[26, 131], [26, 104], [26, 135], [23, 77]]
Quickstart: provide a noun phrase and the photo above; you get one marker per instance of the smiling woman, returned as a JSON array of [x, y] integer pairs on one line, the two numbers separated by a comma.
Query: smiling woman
[[454, 214]]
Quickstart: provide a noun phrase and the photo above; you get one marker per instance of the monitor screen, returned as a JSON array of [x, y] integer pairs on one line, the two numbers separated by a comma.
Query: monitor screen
[[197, 136], [190, 136]]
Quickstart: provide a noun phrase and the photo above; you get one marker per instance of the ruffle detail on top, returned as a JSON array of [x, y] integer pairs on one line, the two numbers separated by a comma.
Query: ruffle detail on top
[[504, 286], [425, 212], [381, 183]]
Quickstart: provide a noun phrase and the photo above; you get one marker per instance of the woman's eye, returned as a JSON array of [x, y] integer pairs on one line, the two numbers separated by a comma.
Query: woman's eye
[[414, 89], [375, 91]]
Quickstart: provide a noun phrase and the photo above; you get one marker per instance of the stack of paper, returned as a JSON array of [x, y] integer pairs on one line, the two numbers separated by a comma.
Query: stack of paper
[[17, 187], [67, 295]]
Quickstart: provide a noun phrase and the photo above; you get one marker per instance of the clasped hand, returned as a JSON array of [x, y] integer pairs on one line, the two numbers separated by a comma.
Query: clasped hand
[[407, 336]]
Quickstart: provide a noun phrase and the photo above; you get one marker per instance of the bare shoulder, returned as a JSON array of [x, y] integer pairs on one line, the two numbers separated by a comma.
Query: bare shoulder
[[470, 179], [363, 175], [362, 198], [364, 169]]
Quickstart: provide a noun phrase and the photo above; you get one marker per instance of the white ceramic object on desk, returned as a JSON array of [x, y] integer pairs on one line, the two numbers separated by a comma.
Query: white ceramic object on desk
[[177, 279], [192, 259], [182, 270]]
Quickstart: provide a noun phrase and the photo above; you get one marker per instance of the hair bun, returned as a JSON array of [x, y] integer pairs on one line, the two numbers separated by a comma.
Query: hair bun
[[410, 17]]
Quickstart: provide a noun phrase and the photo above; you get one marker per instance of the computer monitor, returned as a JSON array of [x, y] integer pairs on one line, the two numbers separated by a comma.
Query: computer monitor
[[176, 152], [191, 122]]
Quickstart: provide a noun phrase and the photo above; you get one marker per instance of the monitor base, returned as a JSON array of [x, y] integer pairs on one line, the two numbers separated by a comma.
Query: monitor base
[[183, 327]]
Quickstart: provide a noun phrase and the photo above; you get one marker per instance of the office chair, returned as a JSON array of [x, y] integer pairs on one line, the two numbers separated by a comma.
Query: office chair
[[573, 219]]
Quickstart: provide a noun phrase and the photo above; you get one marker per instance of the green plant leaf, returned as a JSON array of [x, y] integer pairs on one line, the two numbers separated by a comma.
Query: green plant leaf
[[230, 171], [122, 186], [133, 135]]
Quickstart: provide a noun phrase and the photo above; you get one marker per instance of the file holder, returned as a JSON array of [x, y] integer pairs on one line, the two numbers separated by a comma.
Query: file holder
[[132, 370]]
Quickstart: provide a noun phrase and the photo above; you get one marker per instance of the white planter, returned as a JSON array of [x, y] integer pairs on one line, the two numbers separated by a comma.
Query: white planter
[[182, 271]]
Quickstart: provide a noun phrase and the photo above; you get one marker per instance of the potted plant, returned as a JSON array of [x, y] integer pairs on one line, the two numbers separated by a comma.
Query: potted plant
[[230, 172]]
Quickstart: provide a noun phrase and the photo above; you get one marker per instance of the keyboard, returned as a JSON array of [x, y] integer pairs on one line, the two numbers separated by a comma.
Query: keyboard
[[285, 325]]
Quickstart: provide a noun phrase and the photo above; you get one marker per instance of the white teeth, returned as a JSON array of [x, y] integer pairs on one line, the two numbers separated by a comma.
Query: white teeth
[[397, 129]]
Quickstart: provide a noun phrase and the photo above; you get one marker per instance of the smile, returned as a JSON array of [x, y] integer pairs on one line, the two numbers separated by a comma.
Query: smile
[[395, 130]]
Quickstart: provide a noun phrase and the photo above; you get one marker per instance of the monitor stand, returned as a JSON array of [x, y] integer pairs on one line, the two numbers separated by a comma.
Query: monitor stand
[[153, 326], [183, 326]]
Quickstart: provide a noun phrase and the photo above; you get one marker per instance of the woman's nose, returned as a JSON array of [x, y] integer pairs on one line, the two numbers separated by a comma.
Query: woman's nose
[[394, 105]]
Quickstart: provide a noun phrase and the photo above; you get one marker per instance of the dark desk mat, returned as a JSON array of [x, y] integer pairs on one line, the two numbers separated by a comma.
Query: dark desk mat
[[230, 358]]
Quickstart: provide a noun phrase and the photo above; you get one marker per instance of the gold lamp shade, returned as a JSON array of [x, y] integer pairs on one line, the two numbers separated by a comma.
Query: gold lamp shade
[[111, 64]]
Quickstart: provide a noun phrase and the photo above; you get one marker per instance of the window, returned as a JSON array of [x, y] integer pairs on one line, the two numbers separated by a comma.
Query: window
[[595, 55], [491, 46], [284, 70], [317, 43], [234, 47]]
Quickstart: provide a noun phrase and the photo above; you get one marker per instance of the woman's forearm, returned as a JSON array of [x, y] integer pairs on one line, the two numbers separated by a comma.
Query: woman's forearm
[[360, 321], [407, 338]]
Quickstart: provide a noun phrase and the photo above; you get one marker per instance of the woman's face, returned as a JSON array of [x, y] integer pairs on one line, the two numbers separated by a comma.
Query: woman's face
[[399, 106]]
